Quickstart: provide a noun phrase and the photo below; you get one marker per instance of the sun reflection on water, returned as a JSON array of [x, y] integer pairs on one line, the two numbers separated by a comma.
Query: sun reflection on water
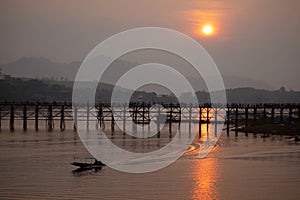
[[206, 178], [206, 172]]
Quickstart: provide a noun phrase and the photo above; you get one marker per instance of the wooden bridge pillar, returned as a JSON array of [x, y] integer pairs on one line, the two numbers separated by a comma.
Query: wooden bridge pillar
[[24, 117], [75, 118], [200, 118], [281, 113], [97, 117], [158, 122], [190, 120], [124, 120], [36, 117], [88, 116], [12, 118], [207, 114], [50, 118], [254, 114], [101, 117], [246, 116], [272, 113], [143, 115], [149, 115], [112, 125], [228, 120], [170, 120], [290, 114], [216, 122], [134, 118], [62, 118], [236, 120], [179, 112]]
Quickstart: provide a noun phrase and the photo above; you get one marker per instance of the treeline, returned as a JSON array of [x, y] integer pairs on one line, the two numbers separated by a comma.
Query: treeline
[[18, 89]]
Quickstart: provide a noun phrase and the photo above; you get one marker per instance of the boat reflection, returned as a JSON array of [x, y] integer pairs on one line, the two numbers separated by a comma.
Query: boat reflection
[[79, 170], [85, 172]]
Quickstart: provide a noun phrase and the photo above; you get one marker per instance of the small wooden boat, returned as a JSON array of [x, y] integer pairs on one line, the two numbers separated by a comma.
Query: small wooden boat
[[88, 165]]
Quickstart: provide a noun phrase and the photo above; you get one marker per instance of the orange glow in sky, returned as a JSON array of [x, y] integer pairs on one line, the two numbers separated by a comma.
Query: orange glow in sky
[[207, 20]]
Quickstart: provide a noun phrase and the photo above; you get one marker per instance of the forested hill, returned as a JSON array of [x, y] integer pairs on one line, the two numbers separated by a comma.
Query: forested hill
[[18, 89]]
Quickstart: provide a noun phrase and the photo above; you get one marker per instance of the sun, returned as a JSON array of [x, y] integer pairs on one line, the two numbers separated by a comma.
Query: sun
[[208, 30]]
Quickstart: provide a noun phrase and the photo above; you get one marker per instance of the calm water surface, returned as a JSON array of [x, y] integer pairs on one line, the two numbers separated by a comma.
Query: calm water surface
[[35, 165]]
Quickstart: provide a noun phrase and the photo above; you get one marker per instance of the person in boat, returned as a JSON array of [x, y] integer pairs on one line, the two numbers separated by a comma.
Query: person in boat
[[96, 162]]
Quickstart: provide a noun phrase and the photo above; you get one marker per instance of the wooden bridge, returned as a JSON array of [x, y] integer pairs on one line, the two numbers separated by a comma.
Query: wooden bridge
[[52, 113]]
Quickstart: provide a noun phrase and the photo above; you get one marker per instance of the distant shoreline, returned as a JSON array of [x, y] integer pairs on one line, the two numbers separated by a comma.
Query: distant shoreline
[[276, 127]]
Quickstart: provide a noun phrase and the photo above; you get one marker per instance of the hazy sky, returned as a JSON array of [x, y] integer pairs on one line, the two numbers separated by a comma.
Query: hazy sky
[[258, 39]]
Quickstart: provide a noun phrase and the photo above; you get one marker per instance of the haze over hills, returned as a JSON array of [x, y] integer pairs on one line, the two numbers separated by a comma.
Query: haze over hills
[[40, 67], [26, 89], [31, 67], [43, 79]]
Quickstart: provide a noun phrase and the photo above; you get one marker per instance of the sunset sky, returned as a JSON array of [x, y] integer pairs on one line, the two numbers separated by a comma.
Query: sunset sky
[[257, 39]]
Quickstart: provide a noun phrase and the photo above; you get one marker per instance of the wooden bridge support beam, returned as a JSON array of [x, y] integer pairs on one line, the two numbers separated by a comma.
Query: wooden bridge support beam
[[207, 114], [97, 118], [50, 119], [216, 122], [124, 120], [112, 125], [254, 114], [272, 113], [149, 115], [170, 120], [158, 122], [100, 117], [24, 117], [246, 116], [75, 118], [12, 118], [228, 120], [246, 119], [87, 117], [134, 117], [190, 120], [143, 115], [281, 114], [236, 120], [290, 114], [36, 117], [200, 118], [62, 124]]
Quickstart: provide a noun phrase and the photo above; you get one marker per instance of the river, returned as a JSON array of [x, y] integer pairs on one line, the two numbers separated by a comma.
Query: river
[[36, 165]]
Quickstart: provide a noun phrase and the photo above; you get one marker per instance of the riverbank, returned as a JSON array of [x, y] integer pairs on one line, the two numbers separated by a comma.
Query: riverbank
[[267, 126]]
